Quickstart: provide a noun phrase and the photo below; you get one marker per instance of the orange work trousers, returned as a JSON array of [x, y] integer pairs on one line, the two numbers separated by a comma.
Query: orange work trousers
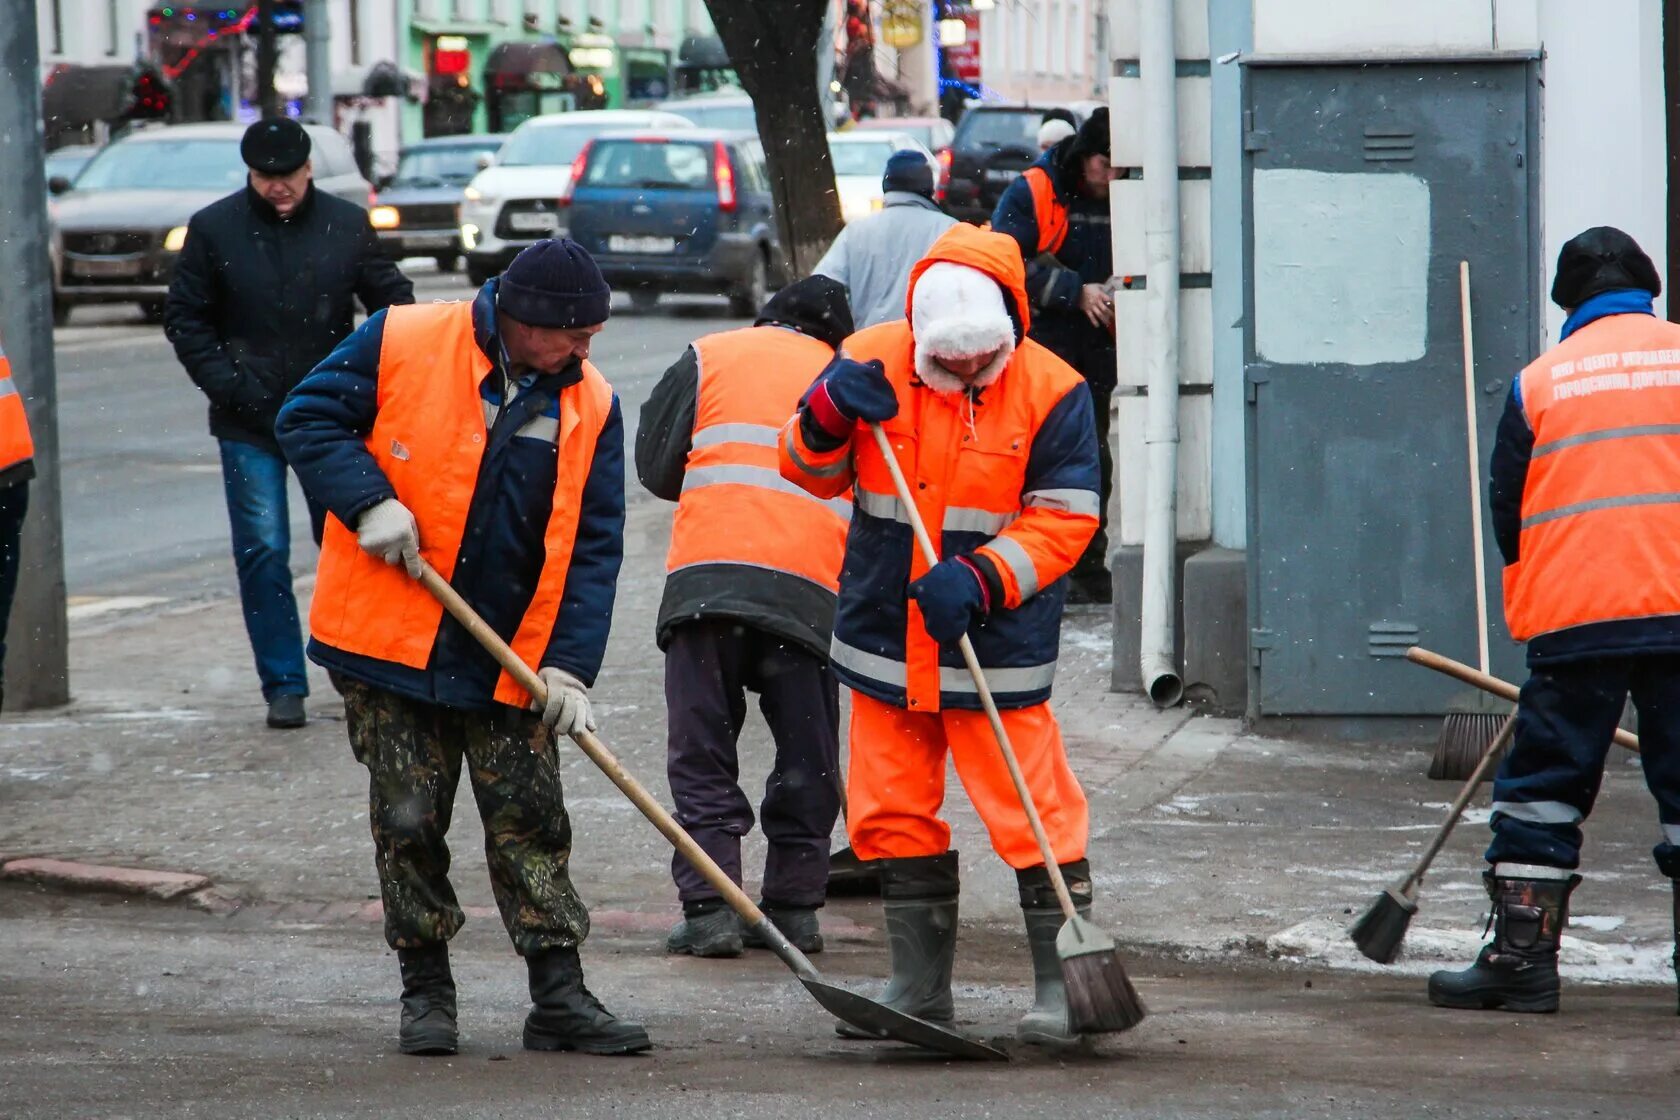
[[896, 782]]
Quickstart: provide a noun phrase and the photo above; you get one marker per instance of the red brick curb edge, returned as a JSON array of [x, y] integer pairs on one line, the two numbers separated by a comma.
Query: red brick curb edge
[[92, 878]]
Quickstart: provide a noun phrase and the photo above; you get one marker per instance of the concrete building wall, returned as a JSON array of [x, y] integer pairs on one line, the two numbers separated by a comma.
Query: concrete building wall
[[1048, 50]]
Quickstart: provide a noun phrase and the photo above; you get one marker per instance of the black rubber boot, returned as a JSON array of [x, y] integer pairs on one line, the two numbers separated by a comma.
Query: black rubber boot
[[919, 901], [428, 1002], [1517, 970], [1676, 883], [797, 923], [1047, 1023], [708, 929], [567, 1016]]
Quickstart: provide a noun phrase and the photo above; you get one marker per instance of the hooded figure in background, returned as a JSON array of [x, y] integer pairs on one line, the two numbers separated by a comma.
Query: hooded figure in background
[[995, 434], [1583, 486]]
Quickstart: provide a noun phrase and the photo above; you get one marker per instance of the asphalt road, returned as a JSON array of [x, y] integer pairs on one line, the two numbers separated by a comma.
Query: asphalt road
[[143, 507]]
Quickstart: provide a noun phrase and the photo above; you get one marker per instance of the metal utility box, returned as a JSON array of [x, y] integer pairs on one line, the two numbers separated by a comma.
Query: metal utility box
[[1365, 184]]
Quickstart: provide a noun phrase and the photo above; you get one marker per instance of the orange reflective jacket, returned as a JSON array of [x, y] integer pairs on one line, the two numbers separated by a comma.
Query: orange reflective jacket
[[16, 446], [1048, 210], [429, 439], [736, 508], [1601, 502]]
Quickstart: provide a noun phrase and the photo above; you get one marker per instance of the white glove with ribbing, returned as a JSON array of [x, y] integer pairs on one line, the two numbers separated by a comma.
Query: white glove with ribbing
[[388, 531], [567, 711]]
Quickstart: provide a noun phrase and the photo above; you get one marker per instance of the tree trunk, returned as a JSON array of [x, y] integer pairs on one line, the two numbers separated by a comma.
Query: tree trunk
[[773, 46]]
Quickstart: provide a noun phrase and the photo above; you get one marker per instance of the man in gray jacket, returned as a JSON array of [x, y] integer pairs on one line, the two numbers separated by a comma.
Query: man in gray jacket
[[872, 256]]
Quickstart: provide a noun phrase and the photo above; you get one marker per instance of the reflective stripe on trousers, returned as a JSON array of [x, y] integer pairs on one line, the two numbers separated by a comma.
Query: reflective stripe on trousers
[[954, 679]]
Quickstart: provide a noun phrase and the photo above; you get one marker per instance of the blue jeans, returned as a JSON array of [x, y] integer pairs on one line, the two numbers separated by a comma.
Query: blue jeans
[[254, 480]]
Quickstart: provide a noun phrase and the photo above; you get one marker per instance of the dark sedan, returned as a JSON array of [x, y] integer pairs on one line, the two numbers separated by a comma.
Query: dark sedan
[[417, 209]]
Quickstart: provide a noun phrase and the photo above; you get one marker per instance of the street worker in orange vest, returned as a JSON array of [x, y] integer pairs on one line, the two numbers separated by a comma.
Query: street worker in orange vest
[[749, 606], [1057, 212], [1585, 505], [478, 437], [17, 467], [995, 436]]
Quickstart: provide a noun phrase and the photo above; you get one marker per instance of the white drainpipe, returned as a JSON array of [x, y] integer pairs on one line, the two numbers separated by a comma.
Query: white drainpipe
[[1157, 65]]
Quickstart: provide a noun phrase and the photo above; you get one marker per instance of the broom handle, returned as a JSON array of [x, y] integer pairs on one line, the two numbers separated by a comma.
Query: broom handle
[[1505, 690], [1494, 750], [611, 767], [931, 555], [1475, 466]]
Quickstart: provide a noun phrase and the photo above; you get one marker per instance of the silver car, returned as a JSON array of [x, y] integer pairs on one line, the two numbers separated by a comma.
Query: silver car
[[118, 229]]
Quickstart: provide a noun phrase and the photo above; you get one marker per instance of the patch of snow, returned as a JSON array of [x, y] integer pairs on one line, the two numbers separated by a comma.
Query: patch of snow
[[1603, 923]]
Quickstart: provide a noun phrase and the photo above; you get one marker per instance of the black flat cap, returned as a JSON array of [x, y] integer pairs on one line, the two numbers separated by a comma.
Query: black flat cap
[[275, 147], [1601, 259]]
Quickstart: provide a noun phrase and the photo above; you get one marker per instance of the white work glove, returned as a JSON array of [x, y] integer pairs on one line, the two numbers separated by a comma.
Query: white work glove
[[567, 711], [388, 531]]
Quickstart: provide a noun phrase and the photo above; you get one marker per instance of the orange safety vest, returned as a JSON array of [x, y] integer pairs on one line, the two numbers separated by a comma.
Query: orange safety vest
[[16, 446], [736, 508], [429, 439], [1601, 503], [1048, 210]]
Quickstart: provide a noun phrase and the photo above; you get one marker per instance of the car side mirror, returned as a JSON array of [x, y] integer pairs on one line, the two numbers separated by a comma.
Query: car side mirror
[[485, 159], [58, 184]]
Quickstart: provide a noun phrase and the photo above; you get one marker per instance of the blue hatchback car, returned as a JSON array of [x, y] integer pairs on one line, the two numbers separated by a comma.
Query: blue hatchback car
[[677, 212]]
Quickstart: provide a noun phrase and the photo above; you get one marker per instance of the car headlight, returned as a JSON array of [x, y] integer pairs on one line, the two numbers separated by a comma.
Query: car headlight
[[384, 217], [469, 236], [175, 240], [473, 194]]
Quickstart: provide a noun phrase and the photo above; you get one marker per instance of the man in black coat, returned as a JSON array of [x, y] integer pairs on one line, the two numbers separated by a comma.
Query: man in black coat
[[262, 292]]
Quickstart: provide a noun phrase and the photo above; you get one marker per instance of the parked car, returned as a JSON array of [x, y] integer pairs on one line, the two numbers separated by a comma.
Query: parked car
[[689, 212], [860, 159], [511, 204], [992, 146], [118, 229], [417, 208], [932, 133]]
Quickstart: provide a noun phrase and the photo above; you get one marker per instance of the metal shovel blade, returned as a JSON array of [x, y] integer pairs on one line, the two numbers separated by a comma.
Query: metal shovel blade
[[867, 1014]]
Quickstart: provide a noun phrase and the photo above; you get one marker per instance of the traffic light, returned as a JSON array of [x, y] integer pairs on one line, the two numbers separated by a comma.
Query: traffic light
[[148, 97]]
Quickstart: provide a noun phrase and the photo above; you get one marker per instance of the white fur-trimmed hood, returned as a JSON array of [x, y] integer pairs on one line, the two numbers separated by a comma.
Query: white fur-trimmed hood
[[957, 311]]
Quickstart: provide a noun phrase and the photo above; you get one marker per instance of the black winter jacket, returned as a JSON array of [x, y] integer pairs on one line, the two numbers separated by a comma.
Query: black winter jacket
[[256, 302]]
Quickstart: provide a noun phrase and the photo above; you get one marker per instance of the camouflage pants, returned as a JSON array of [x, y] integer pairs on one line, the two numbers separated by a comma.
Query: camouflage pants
[[413, 753]]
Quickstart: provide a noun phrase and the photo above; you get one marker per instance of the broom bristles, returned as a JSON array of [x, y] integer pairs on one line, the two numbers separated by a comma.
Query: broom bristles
[[1464, 738], [1100, 995], [1380, 930]]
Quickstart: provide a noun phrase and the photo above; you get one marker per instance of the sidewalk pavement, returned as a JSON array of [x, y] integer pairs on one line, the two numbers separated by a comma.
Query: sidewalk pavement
[[1208, 843]]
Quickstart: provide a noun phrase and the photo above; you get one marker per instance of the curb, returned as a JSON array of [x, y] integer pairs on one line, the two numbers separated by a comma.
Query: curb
[[73, 877]]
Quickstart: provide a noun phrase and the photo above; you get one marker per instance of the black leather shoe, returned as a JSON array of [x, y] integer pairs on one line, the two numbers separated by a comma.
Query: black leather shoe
[[707, 932], [285, 712], [428, 1002], [567, 1016], [797, 923]]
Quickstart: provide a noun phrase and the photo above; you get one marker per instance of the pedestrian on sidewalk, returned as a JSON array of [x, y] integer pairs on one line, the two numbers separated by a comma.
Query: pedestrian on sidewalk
[[872, 256], [1057, 212], [264, 289], [748, 607], [995, 433], [17, 467], [478, 437], [1583, 486]]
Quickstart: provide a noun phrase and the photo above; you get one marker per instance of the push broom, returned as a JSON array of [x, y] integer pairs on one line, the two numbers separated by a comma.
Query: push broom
[[1472, 720], [1100, 994]]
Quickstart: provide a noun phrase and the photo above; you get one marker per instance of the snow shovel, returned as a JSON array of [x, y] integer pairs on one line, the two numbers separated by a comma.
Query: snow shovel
[[1100, 994], [842, 1003]]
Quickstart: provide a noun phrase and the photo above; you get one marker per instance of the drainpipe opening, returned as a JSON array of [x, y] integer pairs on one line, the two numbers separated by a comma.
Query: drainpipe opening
[[1166, 687]]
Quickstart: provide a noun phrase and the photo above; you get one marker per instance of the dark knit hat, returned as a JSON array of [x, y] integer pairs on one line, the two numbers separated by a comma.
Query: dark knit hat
[[1090, 140], [814, 306], [554, 283], [908, 170], [278, 146], [1601, 260]]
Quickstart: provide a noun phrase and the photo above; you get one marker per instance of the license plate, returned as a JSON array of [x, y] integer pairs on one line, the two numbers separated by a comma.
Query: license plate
[[132, 266], [617, 244], [534, 223], [429, 241], [997, 176]]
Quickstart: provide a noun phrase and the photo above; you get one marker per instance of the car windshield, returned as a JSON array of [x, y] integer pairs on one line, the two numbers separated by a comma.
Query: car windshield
[[449, 166], [920, 133], [997, 128], [66, 164], [542, 145], [728, 116], [861, 159], [165, 165], [649, 165]]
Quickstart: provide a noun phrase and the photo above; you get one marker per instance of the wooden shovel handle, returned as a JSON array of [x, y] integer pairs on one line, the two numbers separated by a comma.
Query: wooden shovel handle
[[1492, 685], [931, 555], [597, 751]]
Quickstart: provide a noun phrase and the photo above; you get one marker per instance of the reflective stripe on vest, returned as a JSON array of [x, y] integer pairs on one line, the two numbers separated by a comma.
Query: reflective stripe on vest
[[954, 679], [429, 439], [1600, 539], [1048, 210], [736, 508], [16, 446]]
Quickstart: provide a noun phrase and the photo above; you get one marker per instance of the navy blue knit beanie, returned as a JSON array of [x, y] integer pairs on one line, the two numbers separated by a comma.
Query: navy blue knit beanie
[[908, 170], [554, 283]]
